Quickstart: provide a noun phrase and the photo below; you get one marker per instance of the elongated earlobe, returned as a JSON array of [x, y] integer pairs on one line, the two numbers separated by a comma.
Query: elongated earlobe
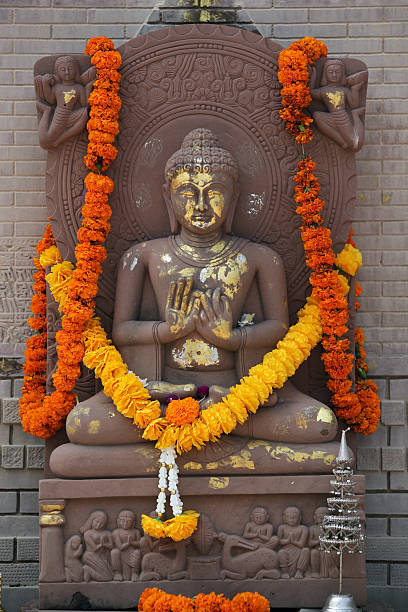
[[227, 225], [174, 225]]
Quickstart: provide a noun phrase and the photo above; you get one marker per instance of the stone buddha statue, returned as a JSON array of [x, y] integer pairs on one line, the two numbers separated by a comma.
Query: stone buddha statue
[[200, 307]]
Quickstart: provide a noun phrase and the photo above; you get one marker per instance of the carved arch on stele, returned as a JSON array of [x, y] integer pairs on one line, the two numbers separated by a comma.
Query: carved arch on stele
[[174, 80]]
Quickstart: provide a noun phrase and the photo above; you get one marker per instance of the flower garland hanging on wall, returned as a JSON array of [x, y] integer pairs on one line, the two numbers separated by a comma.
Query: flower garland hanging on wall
[[44, 415], [360, 408]]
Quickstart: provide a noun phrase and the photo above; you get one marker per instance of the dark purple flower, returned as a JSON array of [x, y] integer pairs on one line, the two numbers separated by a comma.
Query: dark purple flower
[[202, 391], [172, 397]]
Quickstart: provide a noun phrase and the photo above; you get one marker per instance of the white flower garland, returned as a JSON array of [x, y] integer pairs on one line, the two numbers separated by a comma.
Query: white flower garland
[[168, 479]]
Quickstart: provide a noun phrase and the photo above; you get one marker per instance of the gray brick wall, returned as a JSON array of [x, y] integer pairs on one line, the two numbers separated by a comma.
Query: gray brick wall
[[22, 461], [372, 30]]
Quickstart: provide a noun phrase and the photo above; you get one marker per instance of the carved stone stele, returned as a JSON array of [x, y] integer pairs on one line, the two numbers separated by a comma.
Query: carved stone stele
[[176, 80]]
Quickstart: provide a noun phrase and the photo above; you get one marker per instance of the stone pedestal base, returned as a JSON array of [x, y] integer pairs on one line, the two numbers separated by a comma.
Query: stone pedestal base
[[78, 542]]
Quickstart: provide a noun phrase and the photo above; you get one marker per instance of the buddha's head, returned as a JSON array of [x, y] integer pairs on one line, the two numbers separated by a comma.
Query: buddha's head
[[334, 73], [66, 69], [201, 188]]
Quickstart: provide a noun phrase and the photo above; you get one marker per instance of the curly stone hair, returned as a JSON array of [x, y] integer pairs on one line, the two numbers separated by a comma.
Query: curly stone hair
[[201, 152]]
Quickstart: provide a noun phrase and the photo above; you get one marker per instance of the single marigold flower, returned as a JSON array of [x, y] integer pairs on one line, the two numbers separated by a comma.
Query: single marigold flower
[[107, 59], [213, 602], [99, 43], [182, 526], [153, 526], [180, 412], [349, 260], [250, 602]]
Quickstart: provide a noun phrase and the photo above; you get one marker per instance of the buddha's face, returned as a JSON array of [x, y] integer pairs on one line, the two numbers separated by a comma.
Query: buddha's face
[[334, 73], [201, 201]]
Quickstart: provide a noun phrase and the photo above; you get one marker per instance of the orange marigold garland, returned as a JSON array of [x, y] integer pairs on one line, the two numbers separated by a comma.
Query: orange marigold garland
[[360, 409], [294, 76], [43, 415], [156, 600], [36, 352]]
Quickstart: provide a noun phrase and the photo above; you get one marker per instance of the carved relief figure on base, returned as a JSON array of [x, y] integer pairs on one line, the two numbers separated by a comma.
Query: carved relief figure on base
[[259, 530], [293, 555], [62, 101], [323, 565], [98, 545], [147, 542], [341, 96], [258, 562], [74, 570], [126, 552], [164, 566]]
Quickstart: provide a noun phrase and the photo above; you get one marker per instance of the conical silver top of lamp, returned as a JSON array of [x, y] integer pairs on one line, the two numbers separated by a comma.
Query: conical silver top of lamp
[[344, 455]]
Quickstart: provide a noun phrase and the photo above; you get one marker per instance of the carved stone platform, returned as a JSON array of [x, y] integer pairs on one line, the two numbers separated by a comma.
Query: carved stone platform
[[218, 557]]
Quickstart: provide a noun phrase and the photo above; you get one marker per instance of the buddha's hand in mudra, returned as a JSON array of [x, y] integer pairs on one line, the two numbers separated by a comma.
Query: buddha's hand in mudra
[[215, 320], [182, 309]]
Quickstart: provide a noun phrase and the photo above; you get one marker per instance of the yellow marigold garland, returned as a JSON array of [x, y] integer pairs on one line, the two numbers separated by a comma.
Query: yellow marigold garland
[[132, 399]]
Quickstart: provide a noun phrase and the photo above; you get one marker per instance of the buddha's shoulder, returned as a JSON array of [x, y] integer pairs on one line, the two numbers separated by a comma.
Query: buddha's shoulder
[[146, 248], [259, 251]]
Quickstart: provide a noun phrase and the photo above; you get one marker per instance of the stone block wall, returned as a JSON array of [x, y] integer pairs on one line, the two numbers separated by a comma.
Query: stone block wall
[[372, 30]]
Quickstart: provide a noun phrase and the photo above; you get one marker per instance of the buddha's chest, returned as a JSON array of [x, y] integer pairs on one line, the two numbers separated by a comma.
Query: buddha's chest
[[233, 274]]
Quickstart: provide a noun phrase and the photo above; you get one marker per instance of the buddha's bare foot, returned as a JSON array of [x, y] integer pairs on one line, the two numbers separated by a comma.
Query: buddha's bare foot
[[160, 390], [296, 418], [216, 393]]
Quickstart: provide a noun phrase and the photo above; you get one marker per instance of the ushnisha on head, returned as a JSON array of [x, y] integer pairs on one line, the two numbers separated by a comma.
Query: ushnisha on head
[[334, 73], [201, 186], [201, 152]]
